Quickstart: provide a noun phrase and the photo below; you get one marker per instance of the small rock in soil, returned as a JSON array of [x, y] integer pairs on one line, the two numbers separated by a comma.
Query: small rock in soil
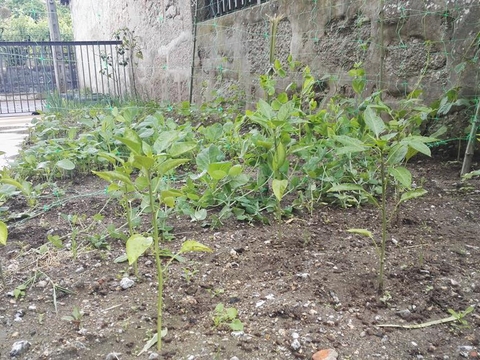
[[126, 283], [296, 345], [326, 354], [113, 356], [19, 348], [153, 356], [404, 314]]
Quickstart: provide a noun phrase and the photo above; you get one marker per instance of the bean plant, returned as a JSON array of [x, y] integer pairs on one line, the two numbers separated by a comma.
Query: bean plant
[[389, 145], [158, 199]]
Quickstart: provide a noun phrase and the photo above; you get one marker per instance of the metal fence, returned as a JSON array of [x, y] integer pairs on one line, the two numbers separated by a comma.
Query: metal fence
[[215, 8], [83, 71]]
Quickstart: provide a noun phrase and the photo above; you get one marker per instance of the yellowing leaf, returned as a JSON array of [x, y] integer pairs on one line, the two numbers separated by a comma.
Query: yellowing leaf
[[278, 187], [136, 245], [194, 246], [3, 233], [363, 232]]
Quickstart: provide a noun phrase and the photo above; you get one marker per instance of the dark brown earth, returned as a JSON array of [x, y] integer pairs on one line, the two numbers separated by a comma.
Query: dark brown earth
[[299, 286]]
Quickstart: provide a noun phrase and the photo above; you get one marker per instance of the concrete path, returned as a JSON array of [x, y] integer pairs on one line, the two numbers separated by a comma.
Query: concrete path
[[13, 130]]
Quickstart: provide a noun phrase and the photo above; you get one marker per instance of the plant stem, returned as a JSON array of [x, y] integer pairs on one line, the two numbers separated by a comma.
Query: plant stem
[[156, 241], [1, 275], [384, 224]]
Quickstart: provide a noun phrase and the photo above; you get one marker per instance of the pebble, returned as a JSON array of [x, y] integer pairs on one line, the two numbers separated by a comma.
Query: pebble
[[126, 283], [19, 347], [234, 358], [113, 356], [153, 356], [296, 345], [326, 354], [404, 314], [41, 284], [32, 307], [237, 334]]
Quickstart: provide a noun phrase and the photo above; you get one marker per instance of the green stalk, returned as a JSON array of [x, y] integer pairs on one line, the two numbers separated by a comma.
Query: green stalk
[[128, 206], [1, 275], [384, 225], [156, 241]]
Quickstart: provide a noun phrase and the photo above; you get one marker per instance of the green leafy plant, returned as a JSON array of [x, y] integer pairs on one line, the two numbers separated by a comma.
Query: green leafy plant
[[223, 316], [389, 144], [153, 164]]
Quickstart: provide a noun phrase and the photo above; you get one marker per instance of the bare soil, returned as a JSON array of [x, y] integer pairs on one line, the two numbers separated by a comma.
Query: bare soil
[[299, 286]]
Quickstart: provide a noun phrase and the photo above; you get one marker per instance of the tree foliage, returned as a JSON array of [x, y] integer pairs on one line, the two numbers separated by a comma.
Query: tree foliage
[[27, 20]]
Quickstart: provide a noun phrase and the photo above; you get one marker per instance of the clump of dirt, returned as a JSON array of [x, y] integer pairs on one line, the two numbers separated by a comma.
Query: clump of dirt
[[299, 285]]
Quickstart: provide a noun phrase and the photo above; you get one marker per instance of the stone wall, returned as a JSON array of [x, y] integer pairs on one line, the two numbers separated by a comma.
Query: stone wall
[[423, 42]]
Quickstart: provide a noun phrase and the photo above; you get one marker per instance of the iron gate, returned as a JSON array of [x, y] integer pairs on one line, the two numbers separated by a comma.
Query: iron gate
[[84, 71]]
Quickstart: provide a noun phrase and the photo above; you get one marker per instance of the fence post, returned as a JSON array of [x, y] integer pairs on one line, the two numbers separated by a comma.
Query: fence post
[[57, 51]]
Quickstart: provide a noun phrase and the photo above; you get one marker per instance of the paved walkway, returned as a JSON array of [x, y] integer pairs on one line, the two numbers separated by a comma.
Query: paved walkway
[[13, 130]]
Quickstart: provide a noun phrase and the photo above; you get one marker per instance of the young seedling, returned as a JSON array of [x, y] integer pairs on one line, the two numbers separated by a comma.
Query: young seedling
[[227, 317], [74, 318]]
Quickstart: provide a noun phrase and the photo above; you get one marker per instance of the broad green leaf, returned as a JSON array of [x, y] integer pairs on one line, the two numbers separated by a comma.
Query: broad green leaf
[[345, 187], [12, 182], [3, 233], [373, 121], [56, 241], [141, 182], [402, 175], [112, 176], [164, 140], [180, 148], [349, 149], [219, 170], [471, 174], [413, 194], [349, 141], [170, 164], [420, 147], [199, 215], [363, 232], [278, 187], [131, 139], [236, 325], [265, 109], [143, 162], [209, 155], [193, 246], [235, 170], [285, 112], [136, 245], [65, 164], [397, 154]]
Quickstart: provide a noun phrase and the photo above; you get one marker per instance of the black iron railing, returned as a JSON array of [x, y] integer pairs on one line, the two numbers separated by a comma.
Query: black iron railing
[[82, 71], [209, 9]]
